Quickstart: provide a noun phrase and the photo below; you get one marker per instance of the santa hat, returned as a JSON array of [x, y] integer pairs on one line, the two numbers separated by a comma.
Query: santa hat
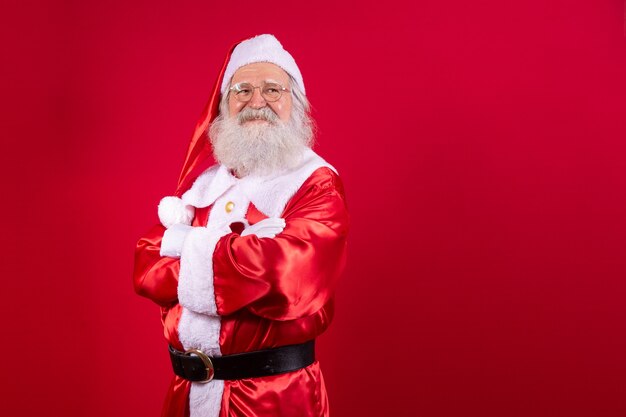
[[262, 48]]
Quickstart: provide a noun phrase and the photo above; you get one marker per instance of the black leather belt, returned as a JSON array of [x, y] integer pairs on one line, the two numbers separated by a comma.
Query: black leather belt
[[194, 365]]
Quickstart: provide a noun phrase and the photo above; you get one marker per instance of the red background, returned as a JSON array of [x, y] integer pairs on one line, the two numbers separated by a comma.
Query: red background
[[482, 148]]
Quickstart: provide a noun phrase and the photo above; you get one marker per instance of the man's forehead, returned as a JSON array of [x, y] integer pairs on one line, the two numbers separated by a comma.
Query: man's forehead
[[260, 71]]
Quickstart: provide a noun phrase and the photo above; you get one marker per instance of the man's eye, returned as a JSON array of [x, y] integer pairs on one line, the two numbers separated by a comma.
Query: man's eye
[[271, 90], [243, 91]]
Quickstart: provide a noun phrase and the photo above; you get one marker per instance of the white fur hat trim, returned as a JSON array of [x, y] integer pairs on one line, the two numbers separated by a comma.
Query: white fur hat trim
[[173, 211], [262, 48]]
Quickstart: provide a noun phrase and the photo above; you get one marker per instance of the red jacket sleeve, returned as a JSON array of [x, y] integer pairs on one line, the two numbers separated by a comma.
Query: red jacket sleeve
[[294, 274], [155, 277]]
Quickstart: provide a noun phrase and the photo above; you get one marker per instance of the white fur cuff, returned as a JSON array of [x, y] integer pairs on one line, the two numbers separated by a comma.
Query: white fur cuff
[[195, 282], [173, 211]]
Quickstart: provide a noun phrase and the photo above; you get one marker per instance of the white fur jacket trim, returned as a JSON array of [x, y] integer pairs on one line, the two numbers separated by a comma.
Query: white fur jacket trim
[[270, 194]]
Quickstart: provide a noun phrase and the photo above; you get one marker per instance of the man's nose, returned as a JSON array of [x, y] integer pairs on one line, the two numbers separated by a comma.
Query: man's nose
[[257, 101]]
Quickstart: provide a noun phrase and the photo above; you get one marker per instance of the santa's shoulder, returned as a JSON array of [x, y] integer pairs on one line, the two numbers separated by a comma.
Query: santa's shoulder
[[317, 177], [323, 177]]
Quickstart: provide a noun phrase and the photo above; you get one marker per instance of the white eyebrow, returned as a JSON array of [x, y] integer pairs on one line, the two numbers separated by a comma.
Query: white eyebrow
[[266, 81]]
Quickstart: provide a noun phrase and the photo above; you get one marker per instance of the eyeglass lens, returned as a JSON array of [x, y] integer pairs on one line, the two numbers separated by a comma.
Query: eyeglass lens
[[245, 91]]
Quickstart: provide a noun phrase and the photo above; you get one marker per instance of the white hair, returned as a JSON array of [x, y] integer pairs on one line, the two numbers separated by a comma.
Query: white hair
[[262, 149]]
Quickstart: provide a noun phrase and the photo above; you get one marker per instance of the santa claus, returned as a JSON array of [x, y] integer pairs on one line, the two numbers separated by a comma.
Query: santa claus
[[246, 259]]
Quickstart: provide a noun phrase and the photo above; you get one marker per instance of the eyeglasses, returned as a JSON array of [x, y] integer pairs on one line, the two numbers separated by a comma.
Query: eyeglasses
[[269, 91]]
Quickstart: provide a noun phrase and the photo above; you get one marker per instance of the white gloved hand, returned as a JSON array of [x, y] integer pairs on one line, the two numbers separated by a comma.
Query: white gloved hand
[[269, 227], [173, 239]]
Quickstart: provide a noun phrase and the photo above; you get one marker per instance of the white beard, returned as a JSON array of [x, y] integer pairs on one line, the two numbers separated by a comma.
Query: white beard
[[259, 148]]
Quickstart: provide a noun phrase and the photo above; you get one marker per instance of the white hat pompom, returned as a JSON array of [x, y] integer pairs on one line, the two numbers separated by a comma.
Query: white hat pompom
[[173, 211]]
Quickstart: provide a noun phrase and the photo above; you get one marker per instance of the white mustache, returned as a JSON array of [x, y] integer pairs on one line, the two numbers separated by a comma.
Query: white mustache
[[264, 113]]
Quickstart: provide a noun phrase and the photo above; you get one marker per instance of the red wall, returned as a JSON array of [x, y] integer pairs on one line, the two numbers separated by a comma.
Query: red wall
[[482, 148]]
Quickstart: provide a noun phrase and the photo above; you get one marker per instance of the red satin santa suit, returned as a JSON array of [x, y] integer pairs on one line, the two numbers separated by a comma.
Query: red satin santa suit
[[268, 293]]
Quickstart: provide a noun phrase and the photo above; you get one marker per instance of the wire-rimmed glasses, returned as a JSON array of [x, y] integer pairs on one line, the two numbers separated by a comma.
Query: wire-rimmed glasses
[[269, 91]]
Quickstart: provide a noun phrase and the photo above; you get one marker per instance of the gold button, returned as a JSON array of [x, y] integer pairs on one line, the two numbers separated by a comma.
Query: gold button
[[229, 206]]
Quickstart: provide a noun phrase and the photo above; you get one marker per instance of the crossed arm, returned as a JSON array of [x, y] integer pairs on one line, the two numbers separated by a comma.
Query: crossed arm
[[288, 276]]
